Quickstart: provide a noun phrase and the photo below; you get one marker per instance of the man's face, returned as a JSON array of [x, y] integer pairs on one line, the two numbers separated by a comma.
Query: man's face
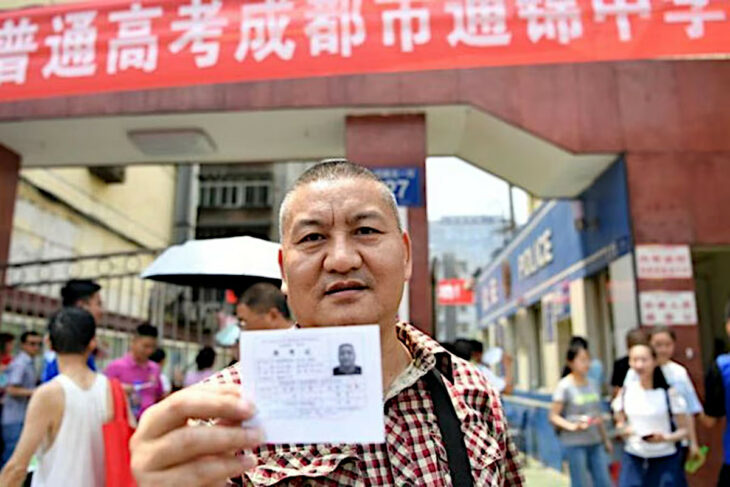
[[143, 347], [93, 305], [347, 356], [253, 320], [343, 257], [32, 345], [663, 345]]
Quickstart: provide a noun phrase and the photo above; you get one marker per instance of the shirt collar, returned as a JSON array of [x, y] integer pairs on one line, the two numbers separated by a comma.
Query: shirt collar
[[426, 354]]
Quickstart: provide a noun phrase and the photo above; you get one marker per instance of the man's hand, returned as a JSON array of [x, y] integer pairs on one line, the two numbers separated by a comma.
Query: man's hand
[[166, 451]]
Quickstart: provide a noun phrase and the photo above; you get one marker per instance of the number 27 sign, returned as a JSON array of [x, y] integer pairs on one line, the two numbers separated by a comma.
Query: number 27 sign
[[405, 183]]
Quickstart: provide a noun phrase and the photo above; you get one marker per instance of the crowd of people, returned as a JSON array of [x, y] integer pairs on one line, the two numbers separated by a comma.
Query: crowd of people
[[655, 410], [56, 415]]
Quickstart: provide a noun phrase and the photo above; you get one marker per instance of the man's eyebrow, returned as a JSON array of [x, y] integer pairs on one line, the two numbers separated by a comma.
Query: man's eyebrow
[[365, 215], [307, 222]]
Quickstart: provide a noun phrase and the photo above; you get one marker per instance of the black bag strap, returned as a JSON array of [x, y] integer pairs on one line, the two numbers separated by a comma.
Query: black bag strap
[[450, 428]]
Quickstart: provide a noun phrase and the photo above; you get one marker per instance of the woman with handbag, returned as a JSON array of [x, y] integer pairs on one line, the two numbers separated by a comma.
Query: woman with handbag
[[64, 426], [652, 417]]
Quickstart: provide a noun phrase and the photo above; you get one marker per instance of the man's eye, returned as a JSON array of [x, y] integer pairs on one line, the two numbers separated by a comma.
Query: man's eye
[[312, 237], [367, 231]]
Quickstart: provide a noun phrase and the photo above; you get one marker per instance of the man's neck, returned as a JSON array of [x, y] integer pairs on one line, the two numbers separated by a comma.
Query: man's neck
[[395, 357], [139, 361], [72, 363]]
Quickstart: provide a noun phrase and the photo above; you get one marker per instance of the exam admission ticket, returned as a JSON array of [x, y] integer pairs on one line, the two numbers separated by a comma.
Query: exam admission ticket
[[315, 385]]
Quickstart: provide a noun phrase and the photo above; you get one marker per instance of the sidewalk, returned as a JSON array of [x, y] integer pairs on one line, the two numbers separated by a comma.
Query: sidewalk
[[537, 475]]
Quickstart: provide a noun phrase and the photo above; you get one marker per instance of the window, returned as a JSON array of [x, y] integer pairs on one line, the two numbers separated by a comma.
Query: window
[[235, 194]]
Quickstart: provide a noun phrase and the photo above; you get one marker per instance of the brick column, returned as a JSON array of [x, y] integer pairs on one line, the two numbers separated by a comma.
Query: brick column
[[393, 141], [681, 197], [9, 171]]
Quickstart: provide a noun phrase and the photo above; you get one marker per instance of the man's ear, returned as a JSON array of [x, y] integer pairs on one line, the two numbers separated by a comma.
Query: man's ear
[[92, 345], [281, 269], [408, 255]]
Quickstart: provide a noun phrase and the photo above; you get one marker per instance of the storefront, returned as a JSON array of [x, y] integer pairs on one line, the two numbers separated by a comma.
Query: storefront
[[569, 271], [566, 273]]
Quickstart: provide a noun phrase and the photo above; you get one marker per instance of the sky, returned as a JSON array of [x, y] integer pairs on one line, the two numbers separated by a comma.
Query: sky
[[455, 188]]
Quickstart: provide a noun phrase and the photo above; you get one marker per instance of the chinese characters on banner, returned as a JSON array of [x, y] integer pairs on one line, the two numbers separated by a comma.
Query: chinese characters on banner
[[667, 308], [120, 45], [663, 262]]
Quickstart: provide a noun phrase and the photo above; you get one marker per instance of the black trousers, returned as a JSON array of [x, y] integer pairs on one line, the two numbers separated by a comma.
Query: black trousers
[[724, 479]]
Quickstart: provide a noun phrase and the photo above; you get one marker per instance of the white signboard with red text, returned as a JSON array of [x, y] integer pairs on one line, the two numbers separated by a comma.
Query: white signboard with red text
[[663, 262], [667, 308]]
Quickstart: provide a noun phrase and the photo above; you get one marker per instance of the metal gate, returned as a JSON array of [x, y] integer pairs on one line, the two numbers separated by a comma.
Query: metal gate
[[186, 317]]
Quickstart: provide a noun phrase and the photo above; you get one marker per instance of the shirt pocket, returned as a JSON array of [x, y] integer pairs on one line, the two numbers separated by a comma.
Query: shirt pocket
[[306, 467]]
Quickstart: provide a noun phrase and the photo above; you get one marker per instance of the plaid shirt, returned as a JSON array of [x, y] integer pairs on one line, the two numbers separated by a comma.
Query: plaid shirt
[[413, 452]]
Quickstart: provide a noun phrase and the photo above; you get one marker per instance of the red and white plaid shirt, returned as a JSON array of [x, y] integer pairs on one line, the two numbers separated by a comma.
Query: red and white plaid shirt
[[413, 452]]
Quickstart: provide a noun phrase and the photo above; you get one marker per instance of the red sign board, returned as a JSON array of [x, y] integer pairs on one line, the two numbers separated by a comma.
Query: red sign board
[[455, 292], [116, 45]]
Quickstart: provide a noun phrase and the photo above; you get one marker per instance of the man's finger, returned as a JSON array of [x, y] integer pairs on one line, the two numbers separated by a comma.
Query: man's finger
[[210, 470], [191, 442], [202, 402]]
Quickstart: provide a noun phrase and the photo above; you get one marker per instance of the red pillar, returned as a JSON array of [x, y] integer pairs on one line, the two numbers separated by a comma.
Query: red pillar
[[9, 170], [681, 198], [398, 141]]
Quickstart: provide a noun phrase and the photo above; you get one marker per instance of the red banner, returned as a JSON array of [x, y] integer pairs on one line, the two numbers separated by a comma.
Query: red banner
[[455, 292], [117, 45]]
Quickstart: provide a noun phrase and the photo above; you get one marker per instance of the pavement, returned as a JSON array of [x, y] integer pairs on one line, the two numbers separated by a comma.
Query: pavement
[[538, 475]]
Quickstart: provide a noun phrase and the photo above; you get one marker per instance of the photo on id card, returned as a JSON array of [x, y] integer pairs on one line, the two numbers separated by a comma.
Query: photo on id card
[[315, 385]]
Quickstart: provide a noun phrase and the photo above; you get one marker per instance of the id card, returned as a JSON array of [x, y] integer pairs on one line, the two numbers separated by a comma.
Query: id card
[[315, 385]]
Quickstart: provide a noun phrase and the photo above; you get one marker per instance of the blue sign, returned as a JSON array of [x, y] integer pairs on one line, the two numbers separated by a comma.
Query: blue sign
[[406, 183], [564, 240]]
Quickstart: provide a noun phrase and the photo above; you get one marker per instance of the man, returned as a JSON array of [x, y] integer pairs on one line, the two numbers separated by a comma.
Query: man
[[22, 381], [84, 294], [621, 366], [504, 385], [717, 402], [140, 377], [263, 307], [346, 356], [345, 259], [66, 415]]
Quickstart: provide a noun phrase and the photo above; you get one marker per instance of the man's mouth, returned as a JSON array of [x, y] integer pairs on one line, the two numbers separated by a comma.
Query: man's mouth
[[344, 286]]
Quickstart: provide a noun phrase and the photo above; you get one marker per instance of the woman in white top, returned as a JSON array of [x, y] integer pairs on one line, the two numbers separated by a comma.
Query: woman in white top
[[65, 416], [652, 418]]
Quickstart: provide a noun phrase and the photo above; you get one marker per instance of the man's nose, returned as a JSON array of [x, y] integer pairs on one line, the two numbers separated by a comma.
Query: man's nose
[[342, 255]]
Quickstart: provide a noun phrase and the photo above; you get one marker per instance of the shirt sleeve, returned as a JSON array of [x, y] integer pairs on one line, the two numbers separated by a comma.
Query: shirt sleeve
[[112, 371], [513, 465], [687, 389], [15, 373], [715, 392], [560, 392], [676, 401]]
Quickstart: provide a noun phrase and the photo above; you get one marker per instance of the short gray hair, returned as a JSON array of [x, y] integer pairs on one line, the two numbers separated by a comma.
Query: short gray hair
[[335, 170]]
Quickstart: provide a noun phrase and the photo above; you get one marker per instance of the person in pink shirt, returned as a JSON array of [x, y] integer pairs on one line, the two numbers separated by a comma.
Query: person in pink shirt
[[139, 376]]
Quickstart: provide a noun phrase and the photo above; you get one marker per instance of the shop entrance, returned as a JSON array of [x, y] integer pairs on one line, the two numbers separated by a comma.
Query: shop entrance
[[712, 281]]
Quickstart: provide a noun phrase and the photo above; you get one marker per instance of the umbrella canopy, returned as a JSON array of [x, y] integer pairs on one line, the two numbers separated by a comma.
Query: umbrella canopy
[[222, 263]]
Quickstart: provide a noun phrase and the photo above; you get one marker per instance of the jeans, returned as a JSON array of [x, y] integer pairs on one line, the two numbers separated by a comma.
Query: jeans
[[656, 472], [11, 435], [588, 466]]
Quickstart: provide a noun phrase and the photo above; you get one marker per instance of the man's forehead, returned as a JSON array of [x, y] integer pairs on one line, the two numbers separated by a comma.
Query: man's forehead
[[321, 198]]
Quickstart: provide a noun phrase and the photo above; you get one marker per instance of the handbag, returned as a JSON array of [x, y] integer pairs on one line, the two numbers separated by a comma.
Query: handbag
[[117, 433]]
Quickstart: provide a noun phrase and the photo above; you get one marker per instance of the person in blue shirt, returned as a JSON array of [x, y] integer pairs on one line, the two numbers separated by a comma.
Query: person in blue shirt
[[79, 293], [717, 404]]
